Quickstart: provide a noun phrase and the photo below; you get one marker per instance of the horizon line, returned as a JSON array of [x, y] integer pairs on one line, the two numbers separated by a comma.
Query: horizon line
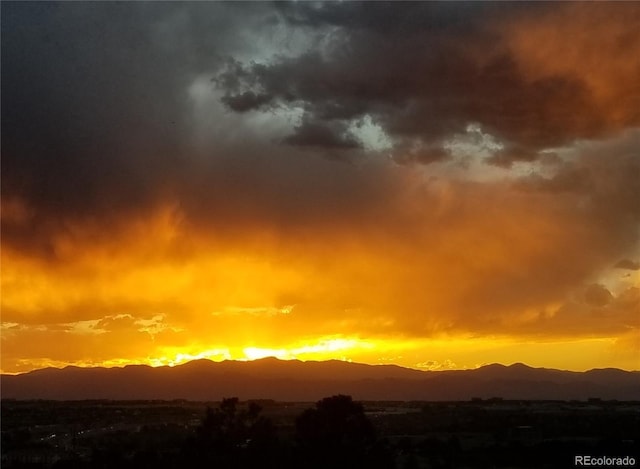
[[279, 359]]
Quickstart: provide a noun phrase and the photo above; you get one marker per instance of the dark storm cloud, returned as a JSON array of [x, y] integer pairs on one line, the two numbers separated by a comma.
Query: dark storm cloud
[[596, 312], [627, 264], [246, 101], [98, 126], [95, 121], [597, 295], [389, 18], [426, 70], [602, 179], [328, 136], [81, 111]]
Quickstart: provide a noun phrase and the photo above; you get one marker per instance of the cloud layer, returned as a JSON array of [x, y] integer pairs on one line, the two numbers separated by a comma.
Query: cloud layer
[[184, 178]]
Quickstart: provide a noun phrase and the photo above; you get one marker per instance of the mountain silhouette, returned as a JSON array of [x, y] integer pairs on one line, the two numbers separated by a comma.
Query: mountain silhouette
[[293, 380]]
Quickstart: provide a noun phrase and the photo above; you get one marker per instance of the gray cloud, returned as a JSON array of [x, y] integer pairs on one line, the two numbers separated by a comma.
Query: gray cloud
[[96, 117], [327, 136], [425, 71]]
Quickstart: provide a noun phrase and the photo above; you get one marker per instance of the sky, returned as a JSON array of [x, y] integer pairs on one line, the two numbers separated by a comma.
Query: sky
[[438, 185]]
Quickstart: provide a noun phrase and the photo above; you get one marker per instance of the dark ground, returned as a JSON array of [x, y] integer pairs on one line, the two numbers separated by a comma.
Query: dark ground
[[335, 432]]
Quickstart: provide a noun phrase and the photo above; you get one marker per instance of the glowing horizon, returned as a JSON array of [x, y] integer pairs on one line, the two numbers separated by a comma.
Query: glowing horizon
[[353, 350]]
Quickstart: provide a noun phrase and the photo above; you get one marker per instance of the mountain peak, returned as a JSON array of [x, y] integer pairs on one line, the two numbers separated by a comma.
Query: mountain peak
[[294, 380], [271, 359], [492, 366], [520, 366]]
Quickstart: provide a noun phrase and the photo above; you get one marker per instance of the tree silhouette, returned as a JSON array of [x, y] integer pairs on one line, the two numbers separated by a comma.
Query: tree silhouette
[[229, 437], [338, 434]]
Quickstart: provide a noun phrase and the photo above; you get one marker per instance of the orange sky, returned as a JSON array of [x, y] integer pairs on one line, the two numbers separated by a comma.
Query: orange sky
[[486, 212]]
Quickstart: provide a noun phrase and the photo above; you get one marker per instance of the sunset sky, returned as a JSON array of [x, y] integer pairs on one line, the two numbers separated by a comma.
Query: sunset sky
[[434, 185]]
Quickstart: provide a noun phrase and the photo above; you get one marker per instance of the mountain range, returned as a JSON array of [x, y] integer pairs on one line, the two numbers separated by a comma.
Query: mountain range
[[293, 380]]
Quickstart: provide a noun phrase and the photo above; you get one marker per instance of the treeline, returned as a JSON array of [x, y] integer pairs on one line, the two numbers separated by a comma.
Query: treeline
[[335, 433]]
